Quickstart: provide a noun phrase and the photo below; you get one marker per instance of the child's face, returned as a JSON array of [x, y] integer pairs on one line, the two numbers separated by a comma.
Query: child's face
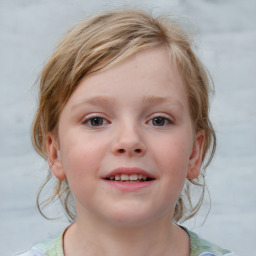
[[133, 120]]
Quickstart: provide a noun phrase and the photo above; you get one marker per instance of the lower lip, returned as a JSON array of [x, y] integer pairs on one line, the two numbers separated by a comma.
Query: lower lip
[[129, 186]]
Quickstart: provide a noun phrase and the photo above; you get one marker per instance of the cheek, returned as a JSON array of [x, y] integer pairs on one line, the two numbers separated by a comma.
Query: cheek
[[80, 158], [172, 160], [173, 152], [81, 168]]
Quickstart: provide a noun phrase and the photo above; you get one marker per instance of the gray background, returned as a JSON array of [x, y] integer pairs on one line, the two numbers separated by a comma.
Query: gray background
[[225, 34]]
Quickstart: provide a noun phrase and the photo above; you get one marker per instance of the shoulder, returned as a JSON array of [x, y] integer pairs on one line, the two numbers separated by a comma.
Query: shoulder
[[32, 252], [202, 247], [51, 247]]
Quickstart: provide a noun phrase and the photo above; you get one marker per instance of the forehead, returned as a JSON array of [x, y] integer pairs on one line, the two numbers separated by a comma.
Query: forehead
[[146, 74]]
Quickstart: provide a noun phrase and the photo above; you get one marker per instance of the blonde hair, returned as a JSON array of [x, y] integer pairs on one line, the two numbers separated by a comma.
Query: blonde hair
[[99, 43]]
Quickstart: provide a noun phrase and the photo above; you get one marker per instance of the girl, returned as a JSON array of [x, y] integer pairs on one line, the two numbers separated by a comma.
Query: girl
[[123, 122]]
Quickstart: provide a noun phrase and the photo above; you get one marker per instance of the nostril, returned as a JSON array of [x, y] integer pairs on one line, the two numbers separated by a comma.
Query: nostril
[[137, 150]]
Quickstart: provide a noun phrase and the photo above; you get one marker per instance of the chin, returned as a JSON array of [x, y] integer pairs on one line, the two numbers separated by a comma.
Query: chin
[[131, 216]]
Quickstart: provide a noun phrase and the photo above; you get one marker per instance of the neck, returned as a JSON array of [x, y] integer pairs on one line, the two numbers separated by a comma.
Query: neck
[[95, 237]]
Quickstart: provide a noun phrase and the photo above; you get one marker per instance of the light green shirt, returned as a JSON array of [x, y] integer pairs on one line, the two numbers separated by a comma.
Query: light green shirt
[[198, 247]]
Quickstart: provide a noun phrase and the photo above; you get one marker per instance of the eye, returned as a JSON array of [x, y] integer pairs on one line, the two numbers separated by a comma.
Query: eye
[[95, 121], [159, 121]]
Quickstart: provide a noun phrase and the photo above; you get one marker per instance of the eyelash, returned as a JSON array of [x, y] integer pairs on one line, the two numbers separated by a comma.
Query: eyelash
[[166, 120], [91, 118], [103, 121]]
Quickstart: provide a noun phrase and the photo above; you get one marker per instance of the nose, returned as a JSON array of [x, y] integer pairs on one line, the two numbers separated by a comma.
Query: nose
[[128, 141]]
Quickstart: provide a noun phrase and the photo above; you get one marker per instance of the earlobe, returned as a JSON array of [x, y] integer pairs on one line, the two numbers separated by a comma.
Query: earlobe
[[195, 160], [54, 157]]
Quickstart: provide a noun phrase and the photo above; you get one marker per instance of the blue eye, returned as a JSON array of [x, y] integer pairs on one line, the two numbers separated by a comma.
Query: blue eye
[[160, 121], [95, 121]]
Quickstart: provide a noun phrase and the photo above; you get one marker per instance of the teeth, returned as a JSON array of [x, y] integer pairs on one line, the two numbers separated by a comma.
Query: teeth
[[117, 177], [127, 177], [133, 177], [124, 177]]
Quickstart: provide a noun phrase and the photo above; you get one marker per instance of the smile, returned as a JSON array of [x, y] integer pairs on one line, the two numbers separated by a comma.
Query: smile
[[133, 178], [129, 179]]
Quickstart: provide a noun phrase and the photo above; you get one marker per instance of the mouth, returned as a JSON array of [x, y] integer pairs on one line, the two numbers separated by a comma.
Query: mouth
[[129, 178]]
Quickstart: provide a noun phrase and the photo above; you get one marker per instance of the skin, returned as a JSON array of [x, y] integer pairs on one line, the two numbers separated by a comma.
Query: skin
[[126, 100]]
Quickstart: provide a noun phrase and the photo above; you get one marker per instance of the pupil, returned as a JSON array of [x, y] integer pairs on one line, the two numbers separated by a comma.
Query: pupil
[[158, 121], [96, 121]]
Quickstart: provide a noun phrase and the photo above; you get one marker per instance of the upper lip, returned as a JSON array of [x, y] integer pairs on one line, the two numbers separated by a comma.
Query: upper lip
[[128, 171]]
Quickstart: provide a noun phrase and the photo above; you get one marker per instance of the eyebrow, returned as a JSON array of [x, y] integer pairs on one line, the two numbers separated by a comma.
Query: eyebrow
[[98, 100], [95, 101], [162, 99]]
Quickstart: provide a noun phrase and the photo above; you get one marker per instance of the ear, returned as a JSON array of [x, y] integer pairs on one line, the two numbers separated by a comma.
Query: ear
[[54, 157], [195, 160]]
